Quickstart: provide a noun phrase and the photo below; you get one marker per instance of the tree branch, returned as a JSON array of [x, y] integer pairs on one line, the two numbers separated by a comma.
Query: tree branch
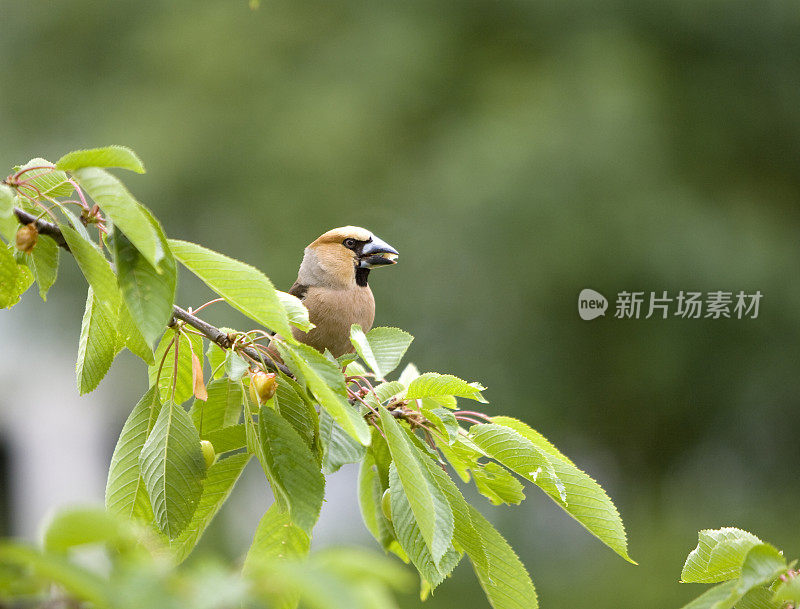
[[217, 336], [213, 333], [43, 226]]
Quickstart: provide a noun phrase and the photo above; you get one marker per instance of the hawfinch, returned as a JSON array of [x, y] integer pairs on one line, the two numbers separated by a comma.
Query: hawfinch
[[332, 283]]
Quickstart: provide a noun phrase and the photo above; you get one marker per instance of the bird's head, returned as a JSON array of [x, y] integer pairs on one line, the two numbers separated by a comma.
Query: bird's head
[[344, 256]]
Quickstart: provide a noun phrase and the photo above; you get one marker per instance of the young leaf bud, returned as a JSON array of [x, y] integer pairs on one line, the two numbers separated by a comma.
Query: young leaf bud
[[27, 236], [262, 386], [208, 452], [386, 504]]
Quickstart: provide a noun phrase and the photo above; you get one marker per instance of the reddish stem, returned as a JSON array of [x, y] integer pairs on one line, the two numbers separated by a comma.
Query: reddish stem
[[79, 191], [376, 426], [27, 169], [355, 396], [203, 306], [474, 414]]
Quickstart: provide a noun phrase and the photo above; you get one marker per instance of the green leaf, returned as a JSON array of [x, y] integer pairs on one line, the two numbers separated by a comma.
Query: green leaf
[[97, 345], [465, 535], [173, 469], [497, 484], [256, 447], [382, 456], [125, 211], [75, 222], [460, 457], [355, 368], [786, 591], [760, 598], [220, 480], [15, 278], [339, 447], [432, 385], [293, 466], [384, 391], [586, 501], [332, 579], [128, 335], [78, 582], [427, 501], [506, 582], [381, 348], [533, 436], [242, 286], [8, 278], [712, 596], [73, 526], [95, 268], [360, 566], [148, 291], [9, 224], [409, 533], [444, 420], [183, 380], [370, 493], [589, 504], [227, 439], [235, 365], [24, 279], [125, 491], [718, 556], [762, 565], [409, 373], [222, 409], [373, 481], [109, 156], [296, 311], [216, 358], [298, 411], [346, 359], [520, 456], [45, 182], [44, 264], [326, 382], [276, 537]]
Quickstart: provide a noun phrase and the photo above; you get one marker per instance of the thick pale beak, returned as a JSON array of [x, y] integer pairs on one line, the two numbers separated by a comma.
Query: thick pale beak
[[376, 253]]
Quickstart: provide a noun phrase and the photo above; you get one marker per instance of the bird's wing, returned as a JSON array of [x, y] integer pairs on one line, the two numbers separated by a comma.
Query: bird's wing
[[299, 290]]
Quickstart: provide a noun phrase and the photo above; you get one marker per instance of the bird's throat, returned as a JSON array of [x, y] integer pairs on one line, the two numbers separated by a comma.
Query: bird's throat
[[361, 277]]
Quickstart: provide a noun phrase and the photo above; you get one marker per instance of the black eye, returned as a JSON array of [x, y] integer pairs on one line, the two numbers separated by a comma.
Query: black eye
[[349, 243]]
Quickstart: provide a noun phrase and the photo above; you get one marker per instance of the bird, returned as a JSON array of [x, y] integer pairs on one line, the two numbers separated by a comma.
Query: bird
[[332, 283]]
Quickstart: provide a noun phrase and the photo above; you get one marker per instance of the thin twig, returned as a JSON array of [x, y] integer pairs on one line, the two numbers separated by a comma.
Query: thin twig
[[212, 333], [354, 396], [221, 339], [473, 413], [43, 226], [376, 426], [203, 306]]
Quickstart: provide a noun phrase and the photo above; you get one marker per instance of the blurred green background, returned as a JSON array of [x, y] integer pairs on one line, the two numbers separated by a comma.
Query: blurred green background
[[514, 152]]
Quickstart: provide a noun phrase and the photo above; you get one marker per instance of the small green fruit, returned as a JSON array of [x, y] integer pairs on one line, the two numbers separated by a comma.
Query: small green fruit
[[386, 504], [262, 386], [26, 238], [208, 452]]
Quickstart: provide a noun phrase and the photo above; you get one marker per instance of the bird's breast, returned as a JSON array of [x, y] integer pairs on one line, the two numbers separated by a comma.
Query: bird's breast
[[333, 311]]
